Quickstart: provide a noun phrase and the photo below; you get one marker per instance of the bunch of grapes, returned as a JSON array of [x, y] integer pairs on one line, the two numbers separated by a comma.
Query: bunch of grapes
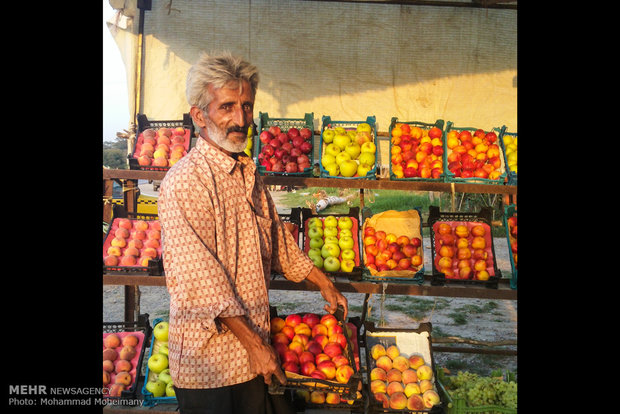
[[480, 391]]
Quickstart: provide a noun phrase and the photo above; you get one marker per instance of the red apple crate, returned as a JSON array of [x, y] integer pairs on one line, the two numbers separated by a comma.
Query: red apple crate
[[450, 178], [149, 399], [410, 341], [327, 122], [483, 217], [142, 328], [512, 176], [509, 211], [423, 125], [145, 123], [154, 267], [356, 273], [347, 390], [264, 122]]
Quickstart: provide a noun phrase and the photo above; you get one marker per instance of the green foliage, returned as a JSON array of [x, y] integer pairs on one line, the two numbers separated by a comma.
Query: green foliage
[[115, 154]]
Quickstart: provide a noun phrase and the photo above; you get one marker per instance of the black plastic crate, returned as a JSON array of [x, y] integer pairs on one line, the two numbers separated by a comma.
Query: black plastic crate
[[484, 216], [141, 325]]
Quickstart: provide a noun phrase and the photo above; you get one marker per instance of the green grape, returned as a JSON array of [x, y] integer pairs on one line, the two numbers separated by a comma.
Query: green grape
[[481, 391]]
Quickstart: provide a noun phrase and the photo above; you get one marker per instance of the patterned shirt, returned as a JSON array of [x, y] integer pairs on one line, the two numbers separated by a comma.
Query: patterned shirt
[[222, 237]]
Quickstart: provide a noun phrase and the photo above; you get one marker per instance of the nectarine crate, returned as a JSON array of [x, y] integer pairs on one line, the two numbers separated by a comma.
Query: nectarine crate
[[153, 267], [394, 220], [149, 399], [451, 177], [483, 217], [414, 345], [144, 123], [424, 126], [456, 405], [356, 273], [143, 330], [509, 211], [328, 123], [349, 389], [285, 124], [503, 133]]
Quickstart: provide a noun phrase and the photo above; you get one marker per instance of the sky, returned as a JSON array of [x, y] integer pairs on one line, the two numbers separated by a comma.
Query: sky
[[115, 101]]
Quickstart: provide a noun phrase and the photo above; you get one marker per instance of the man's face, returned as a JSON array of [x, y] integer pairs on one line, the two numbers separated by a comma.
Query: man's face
[[229, 115]]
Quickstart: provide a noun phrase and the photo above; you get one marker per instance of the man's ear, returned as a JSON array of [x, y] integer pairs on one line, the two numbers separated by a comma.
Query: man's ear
[[198, 116]]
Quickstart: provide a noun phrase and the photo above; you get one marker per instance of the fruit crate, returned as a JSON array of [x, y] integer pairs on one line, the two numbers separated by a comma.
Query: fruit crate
[[285, 124], [302, 402], [509, 211], [296, 381], [149, 399], [356, 273], [154, 266], [424, 126], [483, 217], [410, 342], [140, 328], [455, 405], [512, 175], [391, 221], [328, 123], [143, 124], [450, 176]]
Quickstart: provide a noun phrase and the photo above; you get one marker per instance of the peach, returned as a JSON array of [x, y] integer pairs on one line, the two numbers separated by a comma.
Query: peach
[[292, 320], [128, 352], [409, 375], [340, 360], [318, 374], [398, 401], [314, 347], [131, 251], [394, 375], [138, 234], [121, 233], [143, 261], [424, 372], [118, 242], [378, 373], [291, 367], [328, 368], [123, 377], [332, 349], [302, 328], [125, 223], [130, 340], [301, 338], [306, 356], [128, 261], [319, 329], [343, 373], [154, 243], [156, 225], [114, 251], [478, 242], [378, 386], [290, 356], [150, 252], [141, 225], [415, 402], [425, 385], [332, 398], [108, 365], [110, 354], [149, 132], [482, 275], [328, 320], [110, 260], [153, 234], [461, 231], [116, 389], [163, 140], [401, 363], [339, 338], [307, 368], [136, 243], [384, 362], [122, 365], [430, 398], [412, 388], [415, 361], [322, 340], [377, 351], [478, 230], [296, 347], [383, 399], [395, 386], [106, 377], [333, 330], [317, 397], [160, 161], [164, 132], [277, 324], [322, 357], [288, 331], [480, 265]]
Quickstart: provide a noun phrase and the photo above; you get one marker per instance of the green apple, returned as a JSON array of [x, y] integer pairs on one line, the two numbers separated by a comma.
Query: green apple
[[315, 222], [330, 221], [165, 376], [170, 390], [328, 135], [327, 159], [157, 388], [330, 231], [157, 363], [330, 250], [347, 265], [342, 157], [331, 264], [332, 169], [342, 140], [315, 252], [348, 168], [367, 158], [369, 147], [316, 242], [163, 348], [364, 127], [345, 222], [363, 169], [332, 149], [160, 331], [345, 242], [331, 239], [347, 254], [353, 149], [314, 232], [318, 261], [345, 232]]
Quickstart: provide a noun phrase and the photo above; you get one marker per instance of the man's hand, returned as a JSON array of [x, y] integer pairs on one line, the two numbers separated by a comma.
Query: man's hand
[[328, 291]]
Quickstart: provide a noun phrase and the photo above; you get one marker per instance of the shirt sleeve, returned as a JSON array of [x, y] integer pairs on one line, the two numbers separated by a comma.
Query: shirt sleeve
[[195, 279]]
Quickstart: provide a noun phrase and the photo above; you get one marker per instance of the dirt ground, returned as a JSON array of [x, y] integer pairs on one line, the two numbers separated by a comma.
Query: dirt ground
[[475, 319]]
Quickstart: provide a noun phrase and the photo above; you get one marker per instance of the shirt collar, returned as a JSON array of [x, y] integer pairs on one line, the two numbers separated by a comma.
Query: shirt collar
[[219, 158]]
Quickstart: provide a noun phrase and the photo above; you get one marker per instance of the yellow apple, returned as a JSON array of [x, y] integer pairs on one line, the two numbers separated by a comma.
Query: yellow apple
[[367, 158], [332, 149], [348, 168], [342, 140], [369, 147], [327, 159], [328, 136], [353, 149], [342, 157], [363, 169]]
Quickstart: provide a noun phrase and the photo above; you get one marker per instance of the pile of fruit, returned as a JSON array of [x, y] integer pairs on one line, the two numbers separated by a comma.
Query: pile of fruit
[[463, 250], [159, 382], [482, 391], [161, 148], [348, 152], [400, 382], [416, 152], [120, 358], [132, 242], [288, 151], [331, 243], [315, 346], [512, 238], [391, 252], [510, 145], [476, 155], [326, 397]]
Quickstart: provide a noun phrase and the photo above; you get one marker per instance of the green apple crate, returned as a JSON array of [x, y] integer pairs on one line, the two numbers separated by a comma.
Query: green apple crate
[[156, 345], [509, 139], [351, 127]]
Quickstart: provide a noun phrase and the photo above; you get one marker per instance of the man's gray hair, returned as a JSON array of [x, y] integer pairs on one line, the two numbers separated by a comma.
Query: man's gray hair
[[217, 70]]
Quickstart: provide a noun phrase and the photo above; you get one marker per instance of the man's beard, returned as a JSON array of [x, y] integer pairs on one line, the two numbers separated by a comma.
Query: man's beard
[[219, 136]]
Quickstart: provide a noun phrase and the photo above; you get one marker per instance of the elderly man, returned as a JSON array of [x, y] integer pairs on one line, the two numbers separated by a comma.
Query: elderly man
[[222, 237]]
